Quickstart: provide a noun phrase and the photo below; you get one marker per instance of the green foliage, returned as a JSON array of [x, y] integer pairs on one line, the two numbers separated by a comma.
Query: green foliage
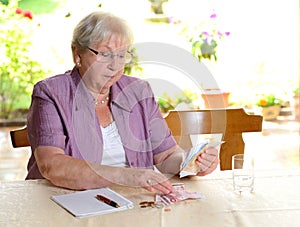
[[166, 103], [268, 100], [297, 88], [4, 2], [18, 71], [43, 7], [133, 67]]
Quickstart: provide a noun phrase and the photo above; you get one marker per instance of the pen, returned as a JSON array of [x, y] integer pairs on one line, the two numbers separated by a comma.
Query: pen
[[108, 201]]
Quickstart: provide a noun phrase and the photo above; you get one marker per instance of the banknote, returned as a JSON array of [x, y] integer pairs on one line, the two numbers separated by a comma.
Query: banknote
[[180, 193], [189, 166]]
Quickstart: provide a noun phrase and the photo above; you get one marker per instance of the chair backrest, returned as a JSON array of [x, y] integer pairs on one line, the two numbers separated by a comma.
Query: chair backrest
[[230, 122], [19, 137]]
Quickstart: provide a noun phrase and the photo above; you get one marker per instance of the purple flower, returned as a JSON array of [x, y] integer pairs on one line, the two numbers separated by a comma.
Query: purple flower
[[173, 20], [213, 15]]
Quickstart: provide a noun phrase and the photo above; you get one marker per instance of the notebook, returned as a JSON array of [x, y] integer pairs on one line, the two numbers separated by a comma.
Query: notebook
[[85, 204]]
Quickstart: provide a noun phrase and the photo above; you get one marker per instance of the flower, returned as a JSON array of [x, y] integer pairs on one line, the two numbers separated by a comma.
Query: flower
[[18, 11], [268, 100], [205, 38], [28, 14], [19, 71]]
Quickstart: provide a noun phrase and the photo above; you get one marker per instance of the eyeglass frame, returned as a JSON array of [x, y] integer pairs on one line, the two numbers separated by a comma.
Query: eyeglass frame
[[111, 55]]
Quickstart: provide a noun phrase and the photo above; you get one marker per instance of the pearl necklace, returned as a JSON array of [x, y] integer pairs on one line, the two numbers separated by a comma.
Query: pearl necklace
[[96, 102]]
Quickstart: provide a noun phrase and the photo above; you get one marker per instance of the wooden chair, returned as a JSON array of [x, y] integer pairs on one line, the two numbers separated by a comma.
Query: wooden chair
[[19, 137], [231, 122]]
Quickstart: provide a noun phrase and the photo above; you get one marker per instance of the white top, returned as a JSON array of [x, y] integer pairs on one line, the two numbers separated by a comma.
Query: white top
[[113, 151]]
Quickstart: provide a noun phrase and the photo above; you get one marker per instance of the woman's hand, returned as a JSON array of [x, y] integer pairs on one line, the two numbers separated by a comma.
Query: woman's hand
[[148, 179], [207, 161]]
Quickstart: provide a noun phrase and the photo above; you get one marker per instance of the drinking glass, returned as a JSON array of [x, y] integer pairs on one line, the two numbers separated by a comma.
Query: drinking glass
[[243, 173]]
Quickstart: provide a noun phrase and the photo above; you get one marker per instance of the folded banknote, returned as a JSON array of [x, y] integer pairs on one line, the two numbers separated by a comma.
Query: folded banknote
[[180, 193]]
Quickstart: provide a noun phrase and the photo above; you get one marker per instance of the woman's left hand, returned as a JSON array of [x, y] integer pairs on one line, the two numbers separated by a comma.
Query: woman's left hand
[[207, 161]]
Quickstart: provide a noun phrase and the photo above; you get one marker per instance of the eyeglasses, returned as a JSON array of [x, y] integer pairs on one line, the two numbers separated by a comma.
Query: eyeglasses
[[105, 57]]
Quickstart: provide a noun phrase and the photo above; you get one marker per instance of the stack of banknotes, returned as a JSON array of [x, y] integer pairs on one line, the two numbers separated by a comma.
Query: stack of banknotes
[[189, 166]]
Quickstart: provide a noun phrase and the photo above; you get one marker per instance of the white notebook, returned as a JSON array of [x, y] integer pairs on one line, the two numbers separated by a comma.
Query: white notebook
[[85, 203]]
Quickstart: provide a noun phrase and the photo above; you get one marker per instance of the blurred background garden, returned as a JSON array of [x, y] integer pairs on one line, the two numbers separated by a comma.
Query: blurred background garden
[[257, 59], [250, 47]]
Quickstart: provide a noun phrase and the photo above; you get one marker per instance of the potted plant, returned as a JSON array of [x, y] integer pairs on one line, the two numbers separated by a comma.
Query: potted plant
[[269, 106], [204, 39], [18, 71]]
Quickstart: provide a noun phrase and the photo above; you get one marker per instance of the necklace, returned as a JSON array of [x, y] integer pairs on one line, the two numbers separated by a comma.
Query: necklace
[[96, 102]]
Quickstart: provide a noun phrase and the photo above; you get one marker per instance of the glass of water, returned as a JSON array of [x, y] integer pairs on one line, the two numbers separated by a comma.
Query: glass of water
[[243, 173]]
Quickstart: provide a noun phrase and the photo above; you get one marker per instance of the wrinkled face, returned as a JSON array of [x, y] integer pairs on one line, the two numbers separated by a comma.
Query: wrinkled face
[[102, 64]]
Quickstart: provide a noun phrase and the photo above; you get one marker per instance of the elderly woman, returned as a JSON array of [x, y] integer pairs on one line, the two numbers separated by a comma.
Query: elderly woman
[[93, 126]]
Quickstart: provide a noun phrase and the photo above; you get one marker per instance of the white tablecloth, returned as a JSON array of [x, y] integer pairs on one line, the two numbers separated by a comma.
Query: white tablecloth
[[274, 202]]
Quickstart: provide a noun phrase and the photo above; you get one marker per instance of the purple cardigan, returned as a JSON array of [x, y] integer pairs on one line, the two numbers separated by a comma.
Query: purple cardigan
[[62, 114]]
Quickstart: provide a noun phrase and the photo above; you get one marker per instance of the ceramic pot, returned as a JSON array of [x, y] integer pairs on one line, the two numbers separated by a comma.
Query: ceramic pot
[[270, 112]]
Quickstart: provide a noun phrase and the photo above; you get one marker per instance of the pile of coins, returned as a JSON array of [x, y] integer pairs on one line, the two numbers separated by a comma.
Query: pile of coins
[[151, 204]]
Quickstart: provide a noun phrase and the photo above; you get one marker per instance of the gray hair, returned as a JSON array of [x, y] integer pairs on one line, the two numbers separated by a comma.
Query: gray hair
[[99, 26]]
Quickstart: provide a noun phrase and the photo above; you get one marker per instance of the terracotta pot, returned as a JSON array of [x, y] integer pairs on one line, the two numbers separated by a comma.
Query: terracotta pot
[[215, 99]]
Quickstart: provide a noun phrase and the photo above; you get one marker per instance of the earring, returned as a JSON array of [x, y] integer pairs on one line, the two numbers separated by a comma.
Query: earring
[[78, 63]]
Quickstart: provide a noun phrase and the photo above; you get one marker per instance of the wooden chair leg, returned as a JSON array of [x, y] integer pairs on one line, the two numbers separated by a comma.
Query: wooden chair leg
[[234, 144]]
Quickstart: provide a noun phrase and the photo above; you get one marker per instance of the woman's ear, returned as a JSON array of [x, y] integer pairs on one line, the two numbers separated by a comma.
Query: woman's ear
[[76, 56]]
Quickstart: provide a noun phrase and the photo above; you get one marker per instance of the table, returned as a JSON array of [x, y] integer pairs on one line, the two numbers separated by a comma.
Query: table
[[275, 202]]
